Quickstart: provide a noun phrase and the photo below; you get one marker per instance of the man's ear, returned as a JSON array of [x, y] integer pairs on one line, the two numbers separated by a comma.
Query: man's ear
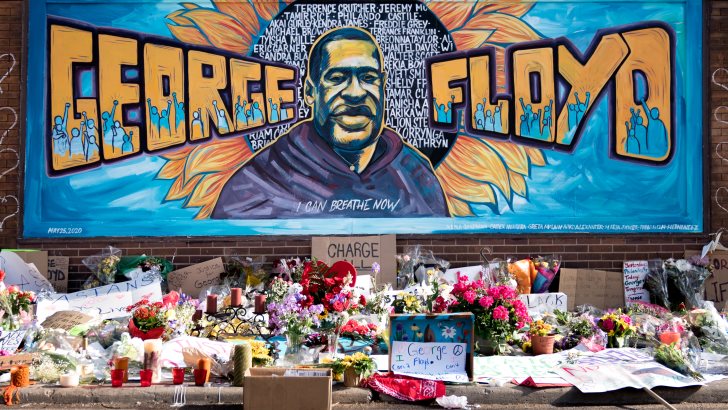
[[309, 89]]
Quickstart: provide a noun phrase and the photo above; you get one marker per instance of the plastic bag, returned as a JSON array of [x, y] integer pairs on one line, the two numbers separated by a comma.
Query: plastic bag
[[413, 266], [146, 263], [688, 278], [656, 283], [525, 273], [103, 267]]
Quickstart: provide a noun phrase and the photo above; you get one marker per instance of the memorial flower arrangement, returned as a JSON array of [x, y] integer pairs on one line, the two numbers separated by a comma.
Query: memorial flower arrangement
[[293, 315], [261, 353], [104, 267], [331, 287], [675, 358], [689, 277], [148, 319], [617, 326], [15, 305], [356, 330], [540, 328], [354, 367]]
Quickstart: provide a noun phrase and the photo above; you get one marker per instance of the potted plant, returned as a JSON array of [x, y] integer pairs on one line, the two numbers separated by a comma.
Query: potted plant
[[617, 326], [542, 341], [355, 368], [148, 319]]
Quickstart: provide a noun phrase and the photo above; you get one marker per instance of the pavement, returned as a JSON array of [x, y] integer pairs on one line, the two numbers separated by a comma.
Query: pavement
[[711, 396]]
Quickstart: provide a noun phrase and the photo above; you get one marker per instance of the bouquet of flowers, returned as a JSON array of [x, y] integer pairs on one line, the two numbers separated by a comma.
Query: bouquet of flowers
[[15, 305], [148, 319], [332, 288], [261, 353], [540, 328], [180, 309], [358, 363], [617, 326], [546, 268], [407, 303], [498, 311], [673, 357], [356, 330], [103, 267], [288, 269], [293, 315], [277, 290]]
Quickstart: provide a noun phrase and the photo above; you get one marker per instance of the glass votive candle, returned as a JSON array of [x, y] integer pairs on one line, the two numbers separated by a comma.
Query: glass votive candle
[[201, 376], [178, 375], [146, 377], [117, 377]]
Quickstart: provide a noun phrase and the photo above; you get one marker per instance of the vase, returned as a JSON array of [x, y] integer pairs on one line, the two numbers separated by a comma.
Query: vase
[[542, 344], [294, 343], [615, 342], [155, 333], [332, 343], [489, 347], [351, 378]]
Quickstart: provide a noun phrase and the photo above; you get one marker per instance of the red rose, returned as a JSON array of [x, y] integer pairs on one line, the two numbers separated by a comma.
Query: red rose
[[362, 300], [2, 275], [338, 306]]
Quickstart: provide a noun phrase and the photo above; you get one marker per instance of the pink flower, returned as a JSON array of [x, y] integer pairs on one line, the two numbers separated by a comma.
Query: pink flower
[[486, 301], [520, 325], [469, 296], [500, 313]]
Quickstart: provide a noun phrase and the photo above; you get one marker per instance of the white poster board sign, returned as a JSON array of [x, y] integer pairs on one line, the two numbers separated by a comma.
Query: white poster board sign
[[609, 377], [540, 303], [635, 273], [22, 275], [9, 341], [430, 361], [172, 351], [472, 272]]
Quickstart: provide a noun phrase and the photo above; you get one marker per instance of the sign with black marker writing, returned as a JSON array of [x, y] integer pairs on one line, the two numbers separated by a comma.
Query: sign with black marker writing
[[192, 279], [58, 273], [10, 341], [432, 361], [361, 251], [539, 303], [635, 273]]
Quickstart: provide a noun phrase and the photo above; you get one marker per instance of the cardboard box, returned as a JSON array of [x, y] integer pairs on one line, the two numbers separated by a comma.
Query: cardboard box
[[601, 289], [270, 389]]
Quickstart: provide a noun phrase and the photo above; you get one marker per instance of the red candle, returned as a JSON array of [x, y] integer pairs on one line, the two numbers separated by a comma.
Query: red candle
[[259, 304], [211, 304], [236, 297], [197, 316]]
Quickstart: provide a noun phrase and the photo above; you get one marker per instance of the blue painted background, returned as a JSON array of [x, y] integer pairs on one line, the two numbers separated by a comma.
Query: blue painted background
[[583, 191]]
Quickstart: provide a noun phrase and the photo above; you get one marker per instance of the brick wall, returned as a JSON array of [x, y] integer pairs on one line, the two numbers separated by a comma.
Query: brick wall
[[588, 251]]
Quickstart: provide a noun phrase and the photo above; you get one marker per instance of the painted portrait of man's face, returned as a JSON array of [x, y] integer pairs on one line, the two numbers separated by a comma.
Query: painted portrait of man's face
[[346, 91]]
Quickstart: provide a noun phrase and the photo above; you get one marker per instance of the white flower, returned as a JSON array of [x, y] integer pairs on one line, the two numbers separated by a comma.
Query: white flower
[[295, 288], [683, 265], [448, 332], [445, 291]]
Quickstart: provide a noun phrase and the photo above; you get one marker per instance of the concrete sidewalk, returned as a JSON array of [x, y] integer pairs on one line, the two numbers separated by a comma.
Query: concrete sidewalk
[[133, 396]]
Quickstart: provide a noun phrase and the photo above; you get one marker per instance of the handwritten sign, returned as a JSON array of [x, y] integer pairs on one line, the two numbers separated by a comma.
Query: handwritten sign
[[10, 341], [635, 273], [540, 303], [146, 287], [192, 279], [6, 362], [472, 272], [22, 275], [609, 377], [432, 361], [599, 288], [172, 351], [58, 273], [361, 251], [66, 320]]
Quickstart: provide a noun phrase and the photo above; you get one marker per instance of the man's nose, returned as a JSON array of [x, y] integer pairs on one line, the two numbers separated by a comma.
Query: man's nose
[[354, 89]]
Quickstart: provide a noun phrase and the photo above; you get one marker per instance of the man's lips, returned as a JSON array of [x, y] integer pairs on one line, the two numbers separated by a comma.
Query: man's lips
[[353, 118]]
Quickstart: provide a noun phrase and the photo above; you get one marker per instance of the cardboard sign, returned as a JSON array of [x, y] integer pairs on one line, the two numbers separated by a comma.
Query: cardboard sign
[[635, 273], [432, 346], [22, 275], [66, 320], [364, 284], [192, 279], [108, 306], [10, 341], [58, 273], [7, 362], [602, 289], [716, 286], [540, 303], [361, 251], [430, 361], [36, 257]]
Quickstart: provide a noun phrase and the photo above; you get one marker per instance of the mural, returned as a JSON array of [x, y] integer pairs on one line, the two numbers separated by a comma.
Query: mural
[[326, 117]]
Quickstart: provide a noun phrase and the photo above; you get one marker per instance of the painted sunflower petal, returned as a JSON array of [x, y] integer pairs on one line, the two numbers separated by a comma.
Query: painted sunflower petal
[[188, 34], [514, 7], [181, 189], [458, 207], [172, 169], [221, 155], [452, 14], [513, 155], [518, 184], [466, 39], [464, 188], [221, 30], [508, 29], [268, 9], [475, 160], [242, 11], [189, 6]]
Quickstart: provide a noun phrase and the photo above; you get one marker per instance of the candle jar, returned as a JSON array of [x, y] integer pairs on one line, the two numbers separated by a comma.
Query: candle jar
[[205, 364], [145, 376], [201, 376], [152, 353], [117, 377], [259, 304], [178, 375], [69, 379], [236, 297], [122, 363]]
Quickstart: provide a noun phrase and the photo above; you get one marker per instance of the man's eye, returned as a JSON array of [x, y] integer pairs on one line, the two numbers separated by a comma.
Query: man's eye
[[337, 78], [369, 78]]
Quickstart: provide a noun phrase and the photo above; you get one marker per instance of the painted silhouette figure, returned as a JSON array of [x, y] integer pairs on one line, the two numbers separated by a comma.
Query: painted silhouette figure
[[632, 144], [535, 125], [240, 117], [524, 126], [256, 113], [526, 118], [497, 120], [273, 110], [154, 118], [441, 113], [179, 111], [198, 130], [108, 119], [164, 120], [283, 112], [479, 117], [640, 131], [489, 121], [60, 133], [222, 124], [656, 132], [76, 143], [572, 116], [127, 146], [581, 107], [448, 115]]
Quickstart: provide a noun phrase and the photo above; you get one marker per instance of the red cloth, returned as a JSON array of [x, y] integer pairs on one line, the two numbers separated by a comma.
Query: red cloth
[[406, 388]]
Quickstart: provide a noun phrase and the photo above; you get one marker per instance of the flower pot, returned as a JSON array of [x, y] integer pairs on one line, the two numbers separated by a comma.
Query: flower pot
[[351, 378], [670, 337], [542, 344], [155, 333]]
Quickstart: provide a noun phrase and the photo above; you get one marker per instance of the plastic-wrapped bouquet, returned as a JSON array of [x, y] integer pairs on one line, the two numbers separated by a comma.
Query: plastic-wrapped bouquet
[[15, 305], [103, 266], [617, 326], [689, 277], [672, 356]]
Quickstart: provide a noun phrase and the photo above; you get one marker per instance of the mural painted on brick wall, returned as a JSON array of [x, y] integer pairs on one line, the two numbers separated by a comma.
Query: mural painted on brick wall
[[324, 117]]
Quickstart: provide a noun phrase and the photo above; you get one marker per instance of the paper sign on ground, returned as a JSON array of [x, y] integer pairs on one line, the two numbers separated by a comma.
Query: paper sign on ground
[[361, 251], [172, 351], [58, 273], [22, 275], [518, 367], [601, 289], [472, 272], [10, 341], [7, 362], [609, 377], [431, 361], [540, 303], [66, 320], [192, 279], [635, 273], [36, 257]]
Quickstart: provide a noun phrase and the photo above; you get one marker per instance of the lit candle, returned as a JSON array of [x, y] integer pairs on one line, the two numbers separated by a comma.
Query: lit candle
[[69, 379], [211, 304], [205, 364], [152, 353], [236, 297], [259, 304]]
